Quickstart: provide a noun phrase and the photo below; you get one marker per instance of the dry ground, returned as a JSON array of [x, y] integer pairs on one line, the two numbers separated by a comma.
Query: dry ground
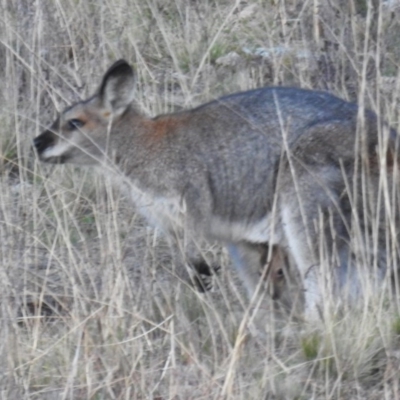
[[93, 303]]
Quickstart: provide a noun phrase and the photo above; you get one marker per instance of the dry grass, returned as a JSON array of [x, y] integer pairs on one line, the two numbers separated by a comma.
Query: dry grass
[[93, 303]]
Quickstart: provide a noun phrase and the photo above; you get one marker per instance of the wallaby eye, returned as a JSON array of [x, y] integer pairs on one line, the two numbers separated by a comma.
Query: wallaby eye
[[280, 273], [75, 124]]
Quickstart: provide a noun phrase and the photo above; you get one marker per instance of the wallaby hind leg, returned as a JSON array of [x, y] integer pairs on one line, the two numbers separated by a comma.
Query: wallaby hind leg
[[316, 229], [306, 262]]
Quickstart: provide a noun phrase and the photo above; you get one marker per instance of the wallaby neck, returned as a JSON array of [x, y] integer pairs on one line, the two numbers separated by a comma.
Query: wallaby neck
[[147, 151]]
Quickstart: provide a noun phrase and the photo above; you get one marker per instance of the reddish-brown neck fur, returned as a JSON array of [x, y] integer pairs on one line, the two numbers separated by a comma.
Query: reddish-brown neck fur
[[162, 127]]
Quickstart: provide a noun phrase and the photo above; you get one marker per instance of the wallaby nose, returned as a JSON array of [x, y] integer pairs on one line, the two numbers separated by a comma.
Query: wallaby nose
[[38, 143], [43, 141]]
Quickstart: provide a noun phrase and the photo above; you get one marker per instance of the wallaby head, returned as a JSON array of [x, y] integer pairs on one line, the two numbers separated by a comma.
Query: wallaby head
[[274, 269], [80, 134]]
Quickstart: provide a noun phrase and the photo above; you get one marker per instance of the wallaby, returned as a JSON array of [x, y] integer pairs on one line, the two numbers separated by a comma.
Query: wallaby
[[282, 279], [293, 167], [274, 269]]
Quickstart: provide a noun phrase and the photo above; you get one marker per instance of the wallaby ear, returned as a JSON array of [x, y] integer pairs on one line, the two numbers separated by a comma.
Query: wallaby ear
[[117, 89]]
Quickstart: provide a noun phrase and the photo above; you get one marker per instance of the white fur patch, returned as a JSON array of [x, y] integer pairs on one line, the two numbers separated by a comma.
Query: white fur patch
[[162, 212], [165, 213], [57, 150], [298, 246]]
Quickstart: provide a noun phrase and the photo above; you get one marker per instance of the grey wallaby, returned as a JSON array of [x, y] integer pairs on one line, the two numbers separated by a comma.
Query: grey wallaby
[[282, 280], [297, 168], [275, 268]]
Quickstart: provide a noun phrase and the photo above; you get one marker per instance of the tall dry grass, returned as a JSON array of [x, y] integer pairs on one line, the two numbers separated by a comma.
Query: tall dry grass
[[93, 302]]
